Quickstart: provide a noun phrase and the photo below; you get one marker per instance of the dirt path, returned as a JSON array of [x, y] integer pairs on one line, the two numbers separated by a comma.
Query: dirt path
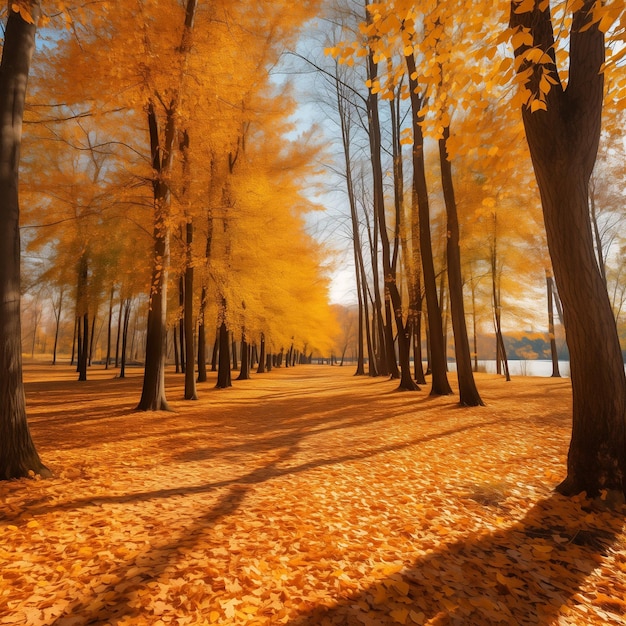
[[303, 496]]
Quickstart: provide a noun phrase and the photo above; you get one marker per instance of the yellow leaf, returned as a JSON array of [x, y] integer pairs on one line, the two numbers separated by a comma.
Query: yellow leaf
[[417, 618], [524, 6], [402, 587], [523, 37], [400, 615], [537, 105]]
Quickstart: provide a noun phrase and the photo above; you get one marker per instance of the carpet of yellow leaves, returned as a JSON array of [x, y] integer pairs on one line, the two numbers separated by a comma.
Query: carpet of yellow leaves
[[305, 496]]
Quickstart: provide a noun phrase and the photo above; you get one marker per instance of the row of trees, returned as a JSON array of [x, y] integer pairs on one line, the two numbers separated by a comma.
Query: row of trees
[[215, 161], [448, 91], [159, 159]]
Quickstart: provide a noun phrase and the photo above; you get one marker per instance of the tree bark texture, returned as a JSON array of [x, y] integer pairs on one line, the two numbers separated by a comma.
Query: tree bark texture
[[468, 393], [153, 391], [563, 143], [223, 370], [18, 456], [440, 384]]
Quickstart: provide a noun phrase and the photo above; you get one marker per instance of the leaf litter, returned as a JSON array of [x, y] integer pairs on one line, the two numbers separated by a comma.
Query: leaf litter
[[304, 496]]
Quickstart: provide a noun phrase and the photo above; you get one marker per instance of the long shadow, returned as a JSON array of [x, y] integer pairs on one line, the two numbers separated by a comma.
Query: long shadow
[[121, 595], [248, 419], [519, 575], [291, 441]]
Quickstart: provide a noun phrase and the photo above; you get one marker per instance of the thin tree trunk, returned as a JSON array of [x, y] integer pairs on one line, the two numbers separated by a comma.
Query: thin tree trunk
[[223, 372], [119, 332], [553, 351], [181, 323], [244, 373], [262, 364], [83, 347], [215, 352], [126, 308], [74, 339], [57, 319], [109, 330], [202, 375], [468, 393], [437, 354]]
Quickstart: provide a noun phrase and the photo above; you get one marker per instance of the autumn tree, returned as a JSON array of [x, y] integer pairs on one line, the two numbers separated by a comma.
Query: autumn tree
[[562, 118], [18, 456]]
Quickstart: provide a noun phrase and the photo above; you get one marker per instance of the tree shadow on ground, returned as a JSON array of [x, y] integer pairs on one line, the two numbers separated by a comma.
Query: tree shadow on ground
[[523, 574], [118, 601]]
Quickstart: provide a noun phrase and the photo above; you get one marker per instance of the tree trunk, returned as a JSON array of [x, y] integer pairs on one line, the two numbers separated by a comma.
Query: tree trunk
[[83, 346], [57, 323], [223, 372], [190, 380], [234, 352], [468, 393], [202, 377], [74, 338], [553, 351], [261, 368], [563, 142], [388, 364], [244, 372], [181, 323], [18, 456], [176, 352], [153, 390], [126, 308], [109, 330], [119, 332], [215, 352], [437, 354]]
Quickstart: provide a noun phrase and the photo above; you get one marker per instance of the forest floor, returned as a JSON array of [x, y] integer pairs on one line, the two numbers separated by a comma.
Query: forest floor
[[305, 496]]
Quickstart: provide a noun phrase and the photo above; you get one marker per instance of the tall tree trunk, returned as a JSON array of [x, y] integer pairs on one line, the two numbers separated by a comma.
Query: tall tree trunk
[[119, 331], [244, 372], [261, 367], [18, 456], [92, 336], [202, 377], [190, 380], [82, 316], [176, 349], [553, 351], [57, 323], [74, 339], [502, 362], [563, 142], [388, 361], [468, 393], [233, 348], [181, 323], [109, 330], [153, 390], [223, 372], [83, 347], [437, 354], [126, 308], [161, 151], [215, 352]]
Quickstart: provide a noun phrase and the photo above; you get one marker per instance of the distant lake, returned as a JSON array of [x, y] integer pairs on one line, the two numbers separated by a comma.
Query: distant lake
[[528, 367]]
